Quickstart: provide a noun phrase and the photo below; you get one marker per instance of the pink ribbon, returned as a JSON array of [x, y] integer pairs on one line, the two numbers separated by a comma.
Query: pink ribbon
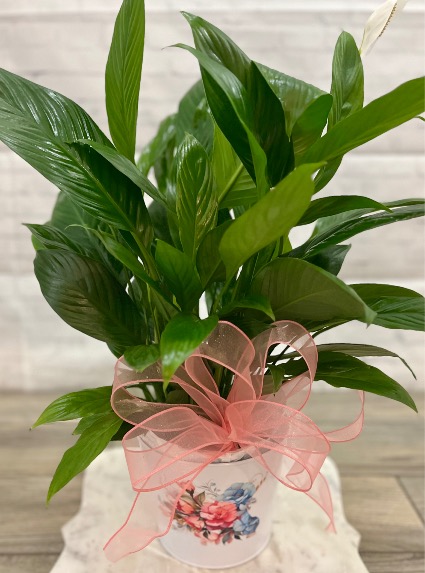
[[170, 445]]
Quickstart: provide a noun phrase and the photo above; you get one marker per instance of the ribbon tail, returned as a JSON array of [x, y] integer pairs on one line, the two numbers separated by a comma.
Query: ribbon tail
[[144, 523], [320, 494]]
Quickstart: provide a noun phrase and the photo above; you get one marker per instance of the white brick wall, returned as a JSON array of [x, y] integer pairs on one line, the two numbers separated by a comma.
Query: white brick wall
[[64, 45]]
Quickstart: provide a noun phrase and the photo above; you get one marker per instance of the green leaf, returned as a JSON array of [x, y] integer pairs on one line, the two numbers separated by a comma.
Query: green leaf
[[48, 237], [196, 195], [55, 114], [156, 148], [330, 259], [234, 185], [123, 74], [306, 107], [347, 80], [269, 117], [159, 219], [299, 291], [381, 115], [208, 260], [182, 335], [127, 168], [91, 181], [140, 357], [251, 301], [88, 298], [269, 219], [232, 110], [179, 275], [77, 405], [395, 307], [342, 371], [328, 206], [90, 444], [353, 226]]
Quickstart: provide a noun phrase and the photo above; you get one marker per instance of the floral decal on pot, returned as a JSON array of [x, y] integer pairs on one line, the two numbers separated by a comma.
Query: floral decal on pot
[[217, 517]]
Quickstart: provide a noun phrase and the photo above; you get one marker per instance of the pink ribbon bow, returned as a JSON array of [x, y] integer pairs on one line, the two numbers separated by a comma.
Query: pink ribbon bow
[[170, 445]]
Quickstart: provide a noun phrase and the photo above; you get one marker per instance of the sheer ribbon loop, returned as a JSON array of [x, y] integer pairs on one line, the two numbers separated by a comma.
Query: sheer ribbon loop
[[171, 445]]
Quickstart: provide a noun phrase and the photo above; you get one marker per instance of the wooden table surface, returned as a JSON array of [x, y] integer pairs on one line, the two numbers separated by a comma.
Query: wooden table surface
[[382, 478]]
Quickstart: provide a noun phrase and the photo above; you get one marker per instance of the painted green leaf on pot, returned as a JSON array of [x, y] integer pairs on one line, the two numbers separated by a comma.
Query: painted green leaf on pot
[[77, 405], [268, 113], [353, 226], [302, 292], [123, 74], [182, 335], [378, 117], [88, 298], [327, 206], [395, 306], [179, 274], [196, 195], [92, 441], [140, 357], [270, 218]]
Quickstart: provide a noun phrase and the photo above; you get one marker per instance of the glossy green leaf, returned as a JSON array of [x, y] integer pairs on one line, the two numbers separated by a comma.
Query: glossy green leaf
[[269, 117], [196, 195], [232, 110], [330, 259], [127, 168], [234, 185], [310, 125], [48, 237], [77, 405], [269, 219], [182, 335], [378, 117], [395, 306], [140, 357], [159, 219], [179, 275], [208, 260], [158, 145], [342, 371], [299, 291], [351, 227], [252, 302], [326, 174], [55, 115], [90, 444], [123, 74], [328, 206], [88, 298]]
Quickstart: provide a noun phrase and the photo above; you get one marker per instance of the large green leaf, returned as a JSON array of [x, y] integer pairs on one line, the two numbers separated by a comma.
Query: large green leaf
[[306, 107], [353, 226], [179, 275], [378, 117], [330, 259], [232, 110], [299, 291], [396, 307], [88, 298], [208, 260], [196, 195], [269, 219], [93, 440], [91, 181], [55, 114], [123, 73], [158, 145], [234, 185], [255, 302], [77, 405], [269, 117], [182, 335], [140, 357], [327, 206]]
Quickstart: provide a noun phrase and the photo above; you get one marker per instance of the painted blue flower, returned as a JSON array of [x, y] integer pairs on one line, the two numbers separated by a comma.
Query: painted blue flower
[[246, 524], [239, 493]]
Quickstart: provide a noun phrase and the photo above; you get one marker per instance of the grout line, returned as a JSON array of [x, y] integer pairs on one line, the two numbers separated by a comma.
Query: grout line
[[411, 501]]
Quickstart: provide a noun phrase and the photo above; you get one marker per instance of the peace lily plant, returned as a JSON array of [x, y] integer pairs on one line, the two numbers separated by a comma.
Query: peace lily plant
[[147, 255]]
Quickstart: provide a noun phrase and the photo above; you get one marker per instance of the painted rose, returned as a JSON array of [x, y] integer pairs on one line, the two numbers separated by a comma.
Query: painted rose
[[185, 505], [219, 514], [194, 521], [246, 524], [239, 493]]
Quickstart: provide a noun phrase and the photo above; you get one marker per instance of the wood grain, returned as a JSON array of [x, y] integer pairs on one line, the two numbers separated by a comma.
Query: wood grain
[[382, 480]]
